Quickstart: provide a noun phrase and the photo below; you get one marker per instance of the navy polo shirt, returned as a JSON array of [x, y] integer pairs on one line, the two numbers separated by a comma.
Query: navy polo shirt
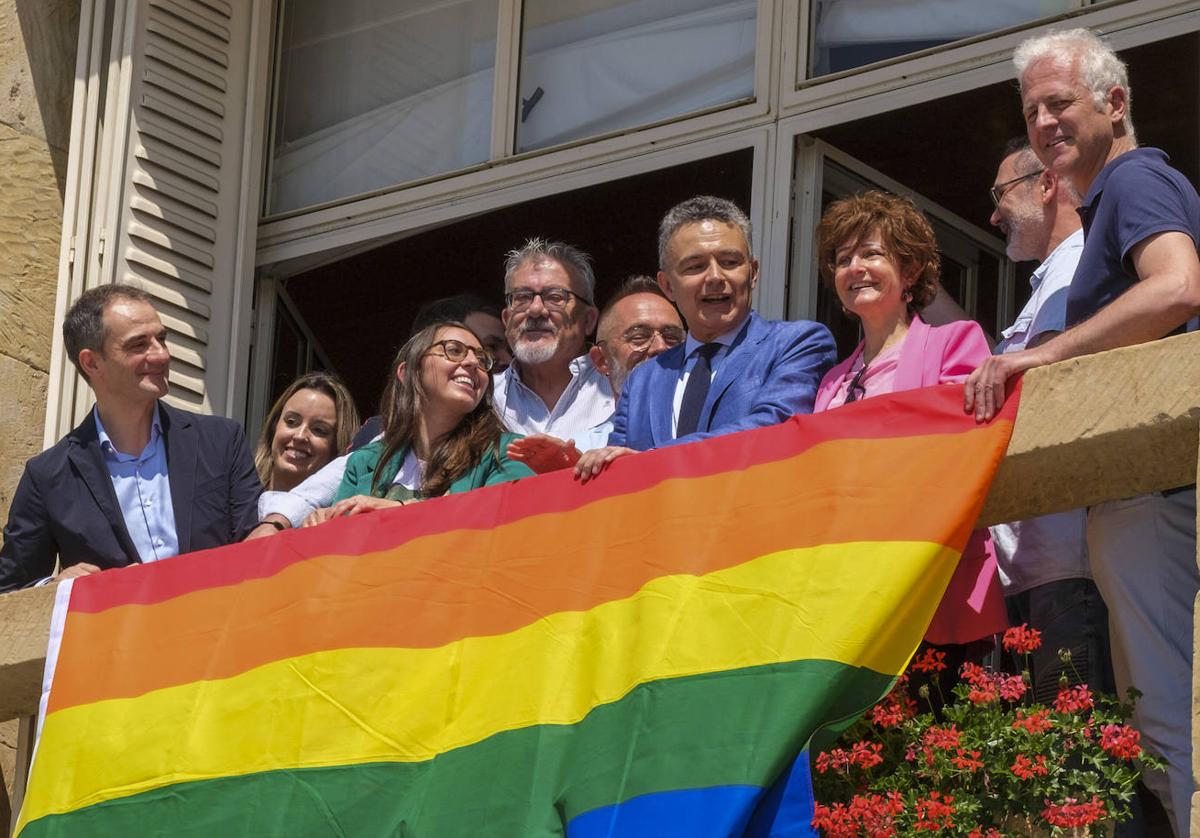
[[1134, 197]]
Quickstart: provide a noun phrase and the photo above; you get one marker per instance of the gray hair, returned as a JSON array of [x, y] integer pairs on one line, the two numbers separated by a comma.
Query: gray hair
[[1096, 65], [575, 262], [697, 209]]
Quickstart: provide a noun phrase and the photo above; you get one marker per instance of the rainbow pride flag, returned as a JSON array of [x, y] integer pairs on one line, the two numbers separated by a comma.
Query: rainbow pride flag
[[645, 654]]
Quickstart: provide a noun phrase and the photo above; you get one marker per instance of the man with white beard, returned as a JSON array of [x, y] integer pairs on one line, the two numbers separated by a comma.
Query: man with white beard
[[552, 386], [1043, 561]]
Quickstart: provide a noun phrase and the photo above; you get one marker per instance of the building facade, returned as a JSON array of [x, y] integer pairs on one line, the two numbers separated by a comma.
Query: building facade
[[291, 179]]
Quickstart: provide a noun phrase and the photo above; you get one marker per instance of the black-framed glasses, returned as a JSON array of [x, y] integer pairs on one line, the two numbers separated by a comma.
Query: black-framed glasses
[[1001, 189], [640, 337], [456, 352], [555, 299]]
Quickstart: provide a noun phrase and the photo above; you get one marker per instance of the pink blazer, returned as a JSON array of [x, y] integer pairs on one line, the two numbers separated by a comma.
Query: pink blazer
[[973, 605]]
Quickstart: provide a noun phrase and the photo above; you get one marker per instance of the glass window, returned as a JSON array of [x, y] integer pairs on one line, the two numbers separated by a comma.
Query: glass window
[[845, 34], [373, 93], [589, 67]]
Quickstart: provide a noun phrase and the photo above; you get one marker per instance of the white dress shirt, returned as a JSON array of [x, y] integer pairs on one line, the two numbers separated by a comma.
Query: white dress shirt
[[586, 403], [1052, 547]]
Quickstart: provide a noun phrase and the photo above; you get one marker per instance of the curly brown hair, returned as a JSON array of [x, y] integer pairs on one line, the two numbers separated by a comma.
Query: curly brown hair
[[905, 233], [476, 436]]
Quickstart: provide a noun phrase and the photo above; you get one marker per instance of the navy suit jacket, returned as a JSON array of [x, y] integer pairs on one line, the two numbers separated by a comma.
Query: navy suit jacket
[[65, 504], [771, 372]]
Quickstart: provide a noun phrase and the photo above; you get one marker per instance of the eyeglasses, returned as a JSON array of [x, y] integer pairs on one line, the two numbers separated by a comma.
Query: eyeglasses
[[456, 352], [1001, 189], [555, 299], [640, 337]]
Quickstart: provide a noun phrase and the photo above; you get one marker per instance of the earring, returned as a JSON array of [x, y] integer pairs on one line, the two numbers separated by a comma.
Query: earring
[[906, 296]]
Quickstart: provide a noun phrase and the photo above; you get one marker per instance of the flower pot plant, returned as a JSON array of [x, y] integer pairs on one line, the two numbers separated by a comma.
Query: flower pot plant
[[988, 763]]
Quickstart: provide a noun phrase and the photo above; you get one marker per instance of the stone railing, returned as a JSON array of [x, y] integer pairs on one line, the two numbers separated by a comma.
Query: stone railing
[[1097, 428]]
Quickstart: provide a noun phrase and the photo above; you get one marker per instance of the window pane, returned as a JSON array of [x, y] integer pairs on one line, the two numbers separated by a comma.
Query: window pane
[[851, 33], [593, 66], [378, 92]]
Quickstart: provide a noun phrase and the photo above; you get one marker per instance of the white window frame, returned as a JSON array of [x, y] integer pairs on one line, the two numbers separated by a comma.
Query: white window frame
[[962, 65], [504, 163]]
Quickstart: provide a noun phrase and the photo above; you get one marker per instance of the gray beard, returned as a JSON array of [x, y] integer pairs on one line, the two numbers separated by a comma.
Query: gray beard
[[535, 353]]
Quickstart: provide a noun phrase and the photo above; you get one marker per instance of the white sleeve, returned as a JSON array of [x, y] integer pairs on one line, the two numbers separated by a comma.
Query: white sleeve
[[314, 493]]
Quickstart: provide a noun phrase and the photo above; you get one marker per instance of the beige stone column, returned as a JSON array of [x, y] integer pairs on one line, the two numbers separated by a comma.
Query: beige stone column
[[37, 67]]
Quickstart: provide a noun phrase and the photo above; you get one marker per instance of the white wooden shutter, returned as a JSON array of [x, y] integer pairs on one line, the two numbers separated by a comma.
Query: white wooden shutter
[[160, 192]]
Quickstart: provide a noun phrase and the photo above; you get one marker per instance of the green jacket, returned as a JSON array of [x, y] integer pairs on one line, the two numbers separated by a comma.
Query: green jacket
[[360, 471]]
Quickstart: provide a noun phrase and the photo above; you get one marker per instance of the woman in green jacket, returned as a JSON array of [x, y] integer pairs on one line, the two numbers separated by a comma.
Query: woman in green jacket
[[440, 434]]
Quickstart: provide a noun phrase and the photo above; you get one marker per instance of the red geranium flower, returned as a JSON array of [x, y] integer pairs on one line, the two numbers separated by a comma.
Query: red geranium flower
[[866, 754], [967, 760], [1074, 699], [1036, 722], [942, 737], [1025, 768], [1022, 639], [1071, 813], [931, 661], [1121, 741], [935, 813], [1011, 688]]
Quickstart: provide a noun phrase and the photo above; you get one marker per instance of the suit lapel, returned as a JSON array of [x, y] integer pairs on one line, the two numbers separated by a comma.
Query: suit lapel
[[910, 366], [665, 378], [732, 366], [86, 457], [181, 471]]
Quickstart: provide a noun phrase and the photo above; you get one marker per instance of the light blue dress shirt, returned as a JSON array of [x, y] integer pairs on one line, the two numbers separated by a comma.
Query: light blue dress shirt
[[143, 492]]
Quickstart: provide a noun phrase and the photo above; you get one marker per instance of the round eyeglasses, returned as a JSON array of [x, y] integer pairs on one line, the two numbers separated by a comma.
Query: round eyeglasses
[[455, 351]]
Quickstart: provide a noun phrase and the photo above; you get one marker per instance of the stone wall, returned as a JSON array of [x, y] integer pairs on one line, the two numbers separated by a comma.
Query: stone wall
[[37, 66]]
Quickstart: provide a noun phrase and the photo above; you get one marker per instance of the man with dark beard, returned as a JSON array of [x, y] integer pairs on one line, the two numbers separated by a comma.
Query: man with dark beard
[[552, 386]]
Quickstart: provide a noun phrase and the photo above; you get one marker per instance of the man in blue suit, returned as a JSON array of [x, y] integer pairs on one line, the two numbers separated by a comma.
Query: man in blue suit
[[137, 480], [735, 370]]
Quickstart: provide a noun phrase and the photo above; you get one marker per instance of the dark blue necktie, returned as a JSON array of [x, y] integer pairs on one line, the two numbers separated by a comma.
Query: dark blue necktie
[[696, 390]]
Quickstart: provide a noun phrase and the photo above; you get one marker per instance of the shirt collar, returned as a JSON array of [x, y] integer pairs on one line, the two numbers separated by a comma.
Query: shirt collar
[[726, 339], [1111, 166], [578, 367], [106, 444], [1071, 242]]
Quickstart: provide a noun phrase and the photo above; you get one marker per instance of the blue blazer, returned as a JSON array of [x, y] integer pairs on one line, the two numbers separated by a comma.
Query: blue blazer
[[65, 504], [769, 374]]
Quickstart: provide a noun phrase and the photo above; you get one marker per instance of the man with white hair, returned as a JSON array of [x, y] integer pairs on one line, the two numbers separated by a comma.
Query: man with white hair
[[1138, 280]]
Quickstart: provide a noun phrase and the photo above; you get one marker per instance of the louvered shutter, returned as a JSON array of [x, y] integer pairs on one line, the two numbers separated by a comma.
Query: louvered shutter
[[167, 209]]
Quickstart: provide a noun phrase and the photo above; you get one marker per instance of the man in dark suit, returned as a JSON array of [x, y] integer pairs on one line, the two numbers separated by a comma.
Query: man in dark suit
[[137, 480], [735, 370]]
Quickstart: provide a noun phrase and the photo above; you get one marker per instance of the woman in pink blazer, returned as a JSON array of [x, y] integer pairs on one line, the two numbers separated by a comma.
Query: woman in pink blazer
[[879, 254]]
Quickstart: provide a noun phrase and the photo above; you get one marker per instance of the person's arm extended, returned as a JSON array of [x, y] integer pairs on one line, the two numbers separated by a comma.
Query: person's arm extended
[[1167, 296], [315, 492]]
